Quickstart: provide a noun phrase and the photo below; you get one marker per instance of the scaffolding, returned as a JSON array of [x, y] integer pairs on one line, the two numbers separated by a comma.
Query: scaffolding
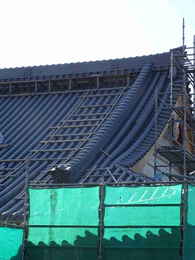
[[180, 153]]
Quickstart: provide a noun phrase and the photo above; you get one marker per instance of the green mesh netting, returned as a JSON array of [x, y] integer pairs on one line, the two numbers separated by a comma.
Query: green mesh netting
[[150, 216], [63, 236], [143, 195], [189, 233], [142, 216], [79, 206], [11, 240], [141, 244], [64, 206], [191, 206], [62, 243]]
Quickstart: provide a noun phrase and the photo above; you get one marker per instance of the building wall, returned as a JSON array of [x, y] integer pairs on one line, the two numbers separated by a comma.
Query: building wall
[[146, 165]]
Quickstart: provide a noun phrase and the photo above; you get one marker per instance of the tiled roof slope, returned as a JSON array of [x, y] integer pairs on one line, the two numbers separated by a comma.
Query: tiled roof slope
[[98, 133]]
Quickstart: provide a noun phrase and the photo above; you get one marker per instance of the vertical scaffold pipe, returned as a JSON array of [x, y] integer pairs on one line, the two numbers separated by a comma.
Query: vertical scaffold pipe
[[171, 81], [183, 33], [194, 71]]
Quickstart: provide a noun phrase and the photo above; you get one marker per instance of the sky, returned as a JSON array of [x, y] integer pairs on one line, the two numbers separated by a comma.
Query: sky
[[39, 32]]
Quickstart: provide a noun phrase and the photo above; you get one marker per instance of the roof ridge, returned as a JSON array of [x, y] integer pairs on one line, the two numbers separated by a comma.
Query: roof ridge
[[89, 61], [87, 68]]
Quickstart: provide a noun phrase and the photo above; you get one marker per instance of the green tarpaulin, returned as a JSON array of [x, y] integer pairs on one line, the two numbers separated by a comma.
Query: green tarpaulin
[[11, 240], [143, 195], [138, 223], [68, 208], [189, 231], [138, 207], [64, 206]]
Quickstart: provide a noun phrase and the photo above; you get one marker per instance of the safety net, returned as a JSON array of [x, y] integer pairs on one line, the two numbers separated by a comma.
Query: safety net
[[144, 222], [11, 241], [63, 224], [105, 222], [189, 231]]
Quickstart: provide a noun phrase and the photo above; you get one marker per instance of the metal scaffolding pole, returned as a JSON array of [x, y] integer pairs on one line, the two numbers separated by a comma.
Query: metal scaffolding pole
[[156, 126], [171, 79], [183, 33], [193, 91], [183, 64], [184, 106]]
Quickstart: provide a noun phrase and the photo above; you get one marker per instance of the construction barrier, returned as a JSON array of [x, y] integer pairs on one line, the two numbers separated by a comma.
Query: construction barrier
[[189, 221], [11, 243], [63, 223], [106, 222]]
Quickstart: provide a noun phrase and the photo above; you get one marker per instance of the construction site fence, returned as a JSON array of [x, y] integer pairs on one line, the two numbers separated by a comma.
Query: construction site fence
[[149, 221]]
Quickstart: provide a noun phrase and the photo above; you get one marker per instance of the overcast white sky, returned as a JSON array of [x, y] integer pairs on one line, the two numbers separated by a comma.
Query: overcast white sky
[[35, 32]]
